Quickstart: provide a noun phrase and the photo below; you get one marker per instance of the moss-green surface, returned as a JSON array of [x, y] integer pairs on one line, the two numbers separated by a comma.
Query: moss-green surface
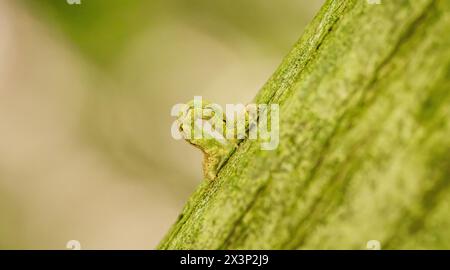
[[364, 141]]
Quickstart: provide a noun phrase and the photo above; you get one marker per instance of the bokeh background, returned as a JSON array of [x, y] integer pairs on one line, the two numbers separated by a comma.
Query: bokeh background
[[85, 98]]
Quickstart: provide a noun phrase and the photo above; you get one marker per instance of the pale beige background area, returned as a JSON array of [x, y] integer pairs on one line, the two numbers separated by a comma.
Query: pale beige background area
[[86, 152]]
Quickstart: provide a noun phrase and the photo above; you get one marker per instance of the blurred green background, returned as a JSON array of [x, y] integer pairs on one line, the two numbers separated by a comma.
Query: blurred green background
[[85, 96]]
